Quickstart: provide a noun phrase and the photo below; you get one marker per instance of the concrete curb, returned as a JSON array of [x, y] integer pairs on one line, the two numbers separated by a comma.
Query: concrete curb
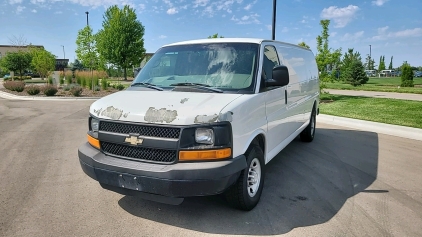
[[389, 129], [9, 96]]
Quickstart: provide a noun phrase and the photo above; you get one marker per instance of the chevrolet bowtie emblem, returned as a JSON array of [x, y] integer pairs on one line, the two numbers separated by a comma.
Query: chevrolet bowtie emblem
[[134, 140]]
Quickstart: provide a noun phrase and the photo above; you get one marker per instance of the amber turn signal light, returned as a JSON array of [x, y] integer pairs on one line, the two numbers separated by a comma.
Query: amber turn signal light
[[205, 155], [93, 141]]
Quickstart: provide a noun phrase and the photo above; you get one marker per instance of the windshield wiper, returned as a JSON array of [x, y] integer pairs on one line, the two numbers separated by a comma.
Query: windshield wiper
[[148, 85], [199, 85]]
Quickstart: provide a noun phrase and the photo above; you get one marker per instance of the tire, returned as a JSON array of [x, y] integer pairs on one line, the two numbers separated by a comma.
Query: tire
[[308, 134], [244, 194]]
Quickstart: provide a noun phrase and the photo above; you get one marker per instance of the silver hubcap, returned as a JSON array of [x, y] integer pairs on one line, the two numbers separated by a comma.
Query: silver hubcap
[[254, 177]]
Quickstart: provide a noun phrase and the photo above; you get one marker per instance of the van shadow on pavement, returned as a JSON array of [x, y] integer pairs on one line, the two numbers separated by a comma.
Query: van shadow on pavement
[[306, 184]]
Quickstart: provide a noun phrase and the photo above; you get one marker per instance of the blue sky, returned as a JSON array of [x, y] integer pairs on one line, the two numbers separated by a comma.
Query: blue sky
[[391, 27]]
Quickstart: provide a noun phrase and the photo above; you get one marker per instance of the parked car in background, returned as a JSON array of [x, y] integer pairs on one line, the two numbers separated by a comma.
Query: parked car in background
[[371, 73], [6, 76]]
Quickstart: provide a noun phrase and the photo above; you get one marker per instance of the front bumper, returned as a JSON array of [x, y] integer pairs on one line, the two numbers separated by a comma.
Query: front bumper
[[176, 180]]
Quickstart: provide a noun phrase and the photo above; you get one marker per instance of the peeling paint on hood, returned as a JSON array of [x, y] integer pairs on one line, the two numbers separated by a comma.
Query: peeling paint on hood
[[162, 107], [154, 115], [206, 118], [111, 112]]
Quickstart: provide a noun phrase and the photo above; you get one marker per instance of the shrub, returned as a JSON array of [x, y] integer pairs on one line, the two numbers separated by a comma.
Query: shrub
[[18, 86], [76, 91], [33, 90], [120, 87], [89, 83], [49, 90], [406, 76], [355, 74], [97, 88], [50, 80], [83, 82], [104, 84]]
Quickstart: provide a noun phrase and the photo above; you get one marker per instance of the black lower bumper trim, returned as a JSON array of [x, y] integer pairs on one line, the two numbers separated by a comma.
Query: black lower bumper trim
[[178, 181]]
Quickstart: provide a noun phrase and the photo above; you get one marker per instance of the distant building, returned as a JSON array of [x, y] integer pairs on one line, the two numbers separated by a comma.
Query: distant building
[[12, 48]]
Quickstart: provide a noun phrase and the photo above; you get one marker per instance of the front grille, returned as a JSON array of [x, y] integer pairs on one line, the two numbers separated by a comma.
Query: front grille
[[142, 153], [150, 131]]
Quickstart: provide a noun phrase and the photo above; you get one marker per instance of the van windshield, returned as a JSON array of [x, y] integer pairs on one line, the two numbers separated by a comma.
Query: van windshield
[[229, 67]]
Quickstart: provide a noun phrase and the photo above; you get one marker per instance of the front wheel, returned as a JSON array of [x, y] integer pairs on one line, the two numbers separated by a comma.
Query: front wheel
[[246, 192], [308, 134]]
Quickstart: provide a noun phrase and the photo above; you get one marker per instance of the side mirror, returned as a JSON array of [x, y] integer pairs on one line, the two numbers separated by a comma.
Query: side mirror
[[280, 77]]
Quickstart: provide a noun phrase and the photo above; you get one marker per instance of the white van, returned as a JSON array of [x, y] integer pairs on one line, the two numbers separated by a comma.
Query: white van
[[203, 117]]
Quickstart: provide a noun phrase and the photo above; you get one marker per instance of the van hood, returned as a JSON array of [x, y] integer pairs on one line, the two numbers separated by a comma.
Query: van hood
[[163, 107]]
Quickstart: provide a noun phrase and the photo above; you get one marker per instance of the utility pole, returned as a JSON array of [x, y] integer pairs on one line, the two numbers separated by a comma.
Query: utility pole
[[274, 16], [87, 18], [370, 58], [64, 54]]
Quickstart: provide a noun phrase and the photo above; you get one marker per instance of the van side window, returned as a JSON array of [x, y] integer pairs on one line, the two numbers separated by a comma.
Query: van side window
[[269, 62]]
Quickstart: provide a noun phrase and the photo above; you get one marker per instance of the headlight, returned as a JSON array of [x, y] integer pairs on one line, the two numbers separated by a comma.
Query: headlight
[[95, 124], [204, 136]]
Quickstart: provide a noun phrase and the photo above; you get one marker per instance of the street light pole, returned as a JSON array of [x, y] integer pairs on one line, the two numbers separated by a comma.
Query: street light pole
[[370, 58], [274, 16], [87, 18], [64, 54]]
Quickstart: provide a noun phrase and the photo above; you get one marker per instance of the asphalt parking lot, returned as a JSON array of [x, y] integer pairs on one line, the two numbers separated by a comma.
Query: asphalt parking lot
[[345, 183]]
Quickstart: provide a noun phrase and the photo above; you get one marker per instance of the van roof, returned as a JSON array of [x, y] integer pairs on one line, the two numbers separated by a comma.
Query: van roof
[[229, 40]]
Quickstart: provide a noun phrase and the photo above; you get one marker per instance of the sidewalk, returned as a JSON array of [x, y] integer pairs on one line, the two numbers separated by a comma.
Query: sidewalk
[[376, 94], [383, 128]]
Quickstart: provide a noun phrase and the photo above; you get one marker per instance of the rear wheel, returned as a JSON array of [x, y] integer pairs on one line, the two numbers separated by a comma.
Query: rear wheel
[[308, 134], [246, 191]]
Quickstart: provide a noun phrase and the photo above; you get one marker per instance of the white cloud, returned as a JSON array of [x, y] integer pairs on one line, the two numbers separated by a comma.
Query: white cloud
[[382, 30], [58, 12], [141, 7], [172, 11], [407, 33], [379, 2], [248, 7], [34, 11], [19, 9], [15, 2], [168, 3], [162, 36], [351, 37], [37, 1], [333, 34], [383, 33], [201, 3], [340, 16], [247, 19]]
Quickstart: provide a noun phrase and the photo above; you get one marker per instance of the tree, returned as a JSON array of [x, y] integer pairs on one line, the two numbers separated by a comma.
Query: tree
[[406, 75], [381, 66], [326, 58], [17, 61], [43, 62], [390, 66], [215, 36], [121, 42], [303, 44], [353, 71], [355, 74], [369, 63], [86, 50]]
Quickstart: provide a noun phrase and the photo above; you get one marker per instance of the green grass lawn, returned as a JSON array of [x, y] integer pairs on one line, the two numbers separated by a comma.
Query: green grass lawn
[[385, 84], [390, 111]]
